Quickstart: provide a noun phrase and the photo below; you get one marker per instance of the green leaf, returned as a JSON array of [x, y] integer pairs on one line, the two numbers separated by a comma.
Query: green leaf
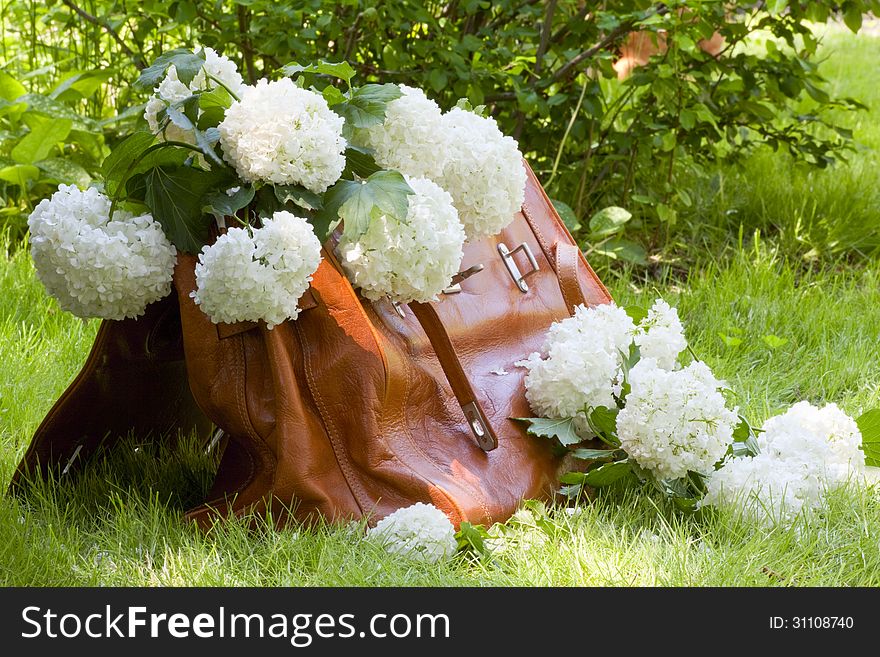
[[561, 429], [666, 214], [357, 202], [618, 248], [773, 341], [213, 105], [567, 215], [187, 63], [744, 442], [19, 174], [606, 474], [175, 198], [573, 478], [366, 105], [869, 426], [595, 454], [604, 420], [50, 108], [220, 204], [852, 16], [61, 170], [729, 340], [341, 70], [636, 313], [775, 7], [332, 95], [472, 538], [299, 196], [122, 157], [42, 138], [10, 88], [609, 221], [360, 161]]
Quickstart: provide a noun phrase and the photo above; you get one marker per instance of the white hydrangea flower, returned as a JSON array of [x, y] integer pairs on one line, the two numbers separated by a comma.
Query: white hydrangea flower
[[675, 421], [804, 453], [767, 489], [582, 366], [827, 437], [283, 134], [411, 138], [412, 261], [421, 532], [258, 274], [96, 267], [483, 171], [661, 335], [171, 90]]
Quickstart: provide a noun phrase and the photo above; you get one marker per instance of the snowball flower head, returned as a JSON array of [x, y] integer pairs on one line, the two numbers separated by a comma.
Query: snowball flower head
[[661, 335], [96, 267], [582, 366], [768, 490], [171, 90], [283, 134], [804, 453], [827, 438], [421, 532], [675, 421], [483, 171], [408, 261], [259, 274], [410, 140]]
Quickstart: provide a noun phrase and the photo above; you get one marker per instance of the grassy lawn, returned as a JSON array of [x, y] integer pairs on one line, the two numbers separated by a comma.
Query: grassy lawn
[[793, 314]]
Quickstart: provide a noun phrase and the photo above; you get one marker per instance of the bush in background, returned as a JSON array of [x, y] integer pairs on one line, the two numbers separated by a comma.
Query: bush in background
[[543, 69]]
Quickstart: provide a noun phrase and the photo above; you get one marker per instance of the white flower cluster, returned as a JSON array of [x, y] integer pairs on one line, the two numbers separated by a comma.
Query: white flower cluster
[[483, 172], [409, 140], [258, 274], [661, 335], [283, 134], [584, 358], [582, 367], [675, 421], [464, 153], [171, 90], [421, 532], [96, 267], [412, 260], [804, 453]]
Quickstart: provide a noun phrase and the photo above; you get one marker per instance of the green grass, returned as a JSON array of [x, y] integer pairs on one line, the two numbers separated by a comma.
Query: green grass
[[118, 523]]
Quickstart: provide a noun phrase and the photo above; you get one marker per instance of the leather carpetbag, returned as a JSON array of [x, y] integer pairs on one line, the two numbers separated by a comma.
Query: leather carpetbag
[[356, 408]]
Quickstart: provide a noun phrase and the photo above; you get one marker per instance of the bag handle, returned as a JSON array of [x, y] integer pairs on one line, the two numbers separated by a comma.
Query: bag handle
[[567, 273], [455, 374]]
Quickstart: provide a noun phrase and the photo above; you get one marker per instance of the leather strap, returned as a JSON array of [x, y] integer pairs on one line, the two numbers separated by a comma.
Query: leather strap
[[458, 379], [567, 256]]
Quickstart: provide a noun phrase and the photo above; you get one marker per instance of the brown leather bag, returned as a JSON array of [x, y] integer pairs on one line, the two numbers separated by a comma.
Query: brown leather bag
[[358, 408]]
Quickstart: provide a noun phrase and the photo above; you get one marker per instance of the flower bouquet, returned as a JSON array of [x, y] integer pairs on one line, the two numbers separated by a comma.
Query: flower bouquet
[[254, 178]]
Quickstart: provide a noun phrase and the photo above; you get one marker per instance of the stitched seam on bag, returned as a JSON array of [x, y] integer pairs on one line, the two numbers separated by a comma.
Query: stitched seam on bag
[[241, 403], [344, 466], [475, 493]]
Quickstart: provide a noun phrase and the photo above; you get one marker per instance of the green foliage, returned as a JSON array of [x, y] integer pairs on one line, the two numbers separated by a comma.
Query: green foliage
[[543, 70], [357, 202]]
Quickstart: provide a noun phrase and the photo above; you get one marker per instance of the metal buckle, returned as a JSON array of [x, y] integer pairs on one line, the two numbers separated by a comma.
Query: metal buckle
[[71, 459], [215, 440], [398, 308], [478, 427], [512, 269], [455, 283]]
